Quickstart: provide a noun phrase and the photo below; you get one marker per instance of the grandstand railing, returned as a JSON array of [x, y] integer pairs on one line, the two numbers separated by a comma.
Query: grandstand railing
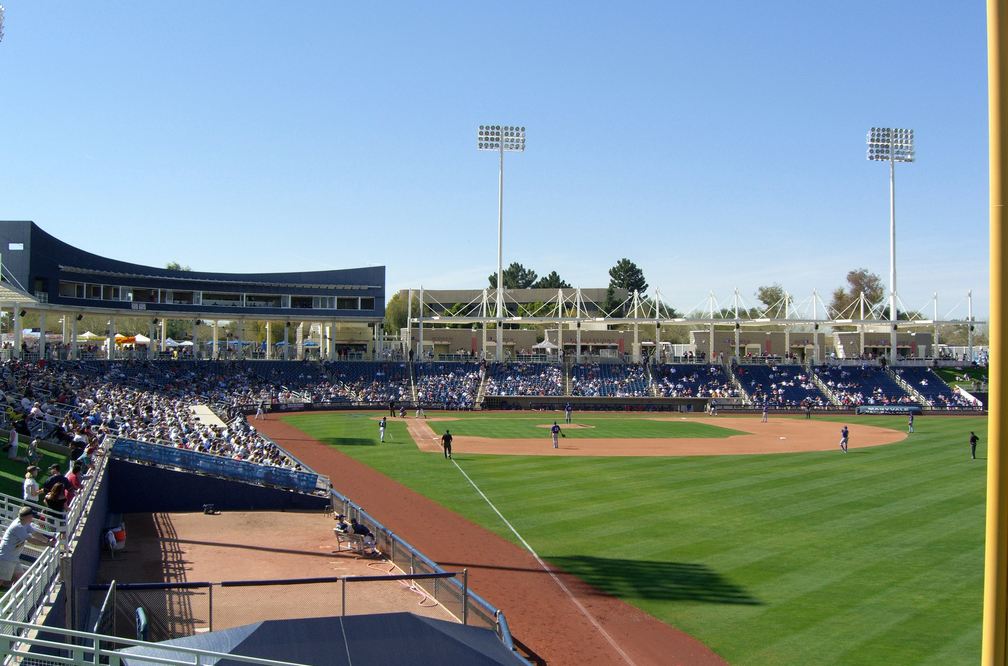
[[50, 521], [220, 466], [23, 601], [23, 643], [84, 497], [453, 595]]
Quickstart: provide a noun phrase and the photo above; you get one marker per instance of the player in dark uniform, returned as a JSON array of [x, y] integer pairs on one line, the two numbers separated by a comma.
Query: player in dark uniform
[[973, 442], [555, 432], [446, 440]]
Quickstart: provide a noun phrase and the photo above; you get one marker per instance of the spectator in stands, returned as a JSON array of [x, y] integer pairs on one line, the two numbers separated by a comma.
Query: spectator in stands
[[54, 478], [18, 533], [75, 479], [30, 490], [56, 499], [12, 444]]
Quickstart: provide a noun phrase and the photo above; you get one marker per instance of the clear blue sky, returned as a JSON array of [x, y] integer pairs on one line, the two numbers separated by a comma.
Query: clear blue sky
[[717, 145]]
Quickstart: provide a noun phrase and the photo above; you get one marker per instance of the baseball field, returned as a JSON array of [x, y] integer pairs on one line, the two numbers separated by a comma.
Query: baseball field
[[874, 556]]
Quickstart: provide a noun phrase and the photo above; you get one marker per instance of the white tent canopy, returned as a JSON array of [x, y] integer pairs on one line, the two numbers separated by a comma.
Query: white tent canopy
[[545, 344]]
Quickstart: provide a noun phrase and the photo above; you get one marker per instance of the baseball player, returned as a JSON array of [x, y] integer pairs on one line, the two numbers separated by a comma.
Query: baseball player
[[556, 434], [381, 429], [843, 439]]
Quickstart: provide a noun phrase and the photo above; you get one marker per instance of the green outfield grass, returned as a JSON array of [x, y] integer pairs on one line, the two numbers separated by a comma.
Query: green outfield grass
[[523, 425], [951, 375], [816, 558], [12, 471]]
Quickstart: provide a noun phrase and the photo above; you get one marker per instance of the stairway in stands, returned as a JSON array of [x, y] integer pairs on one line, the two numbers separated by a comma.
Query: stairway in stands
[[908, 387], [838, 347], [821, 385], [481, 390], [412, 383]]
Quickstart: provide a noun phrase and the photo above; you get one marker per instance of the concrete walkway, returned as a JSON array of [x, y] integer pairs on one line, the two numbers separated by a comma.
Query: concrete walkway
[[206, 415]]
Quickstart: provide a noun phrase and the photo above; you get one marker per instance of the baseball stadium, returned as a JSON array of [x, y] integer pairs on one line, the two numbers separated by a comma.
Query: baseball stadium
[[258, 469]]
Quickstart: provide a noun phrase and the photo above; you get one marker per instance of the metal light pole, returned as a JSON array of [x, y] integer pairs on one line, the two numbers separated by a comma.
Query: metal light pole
[[1, 22], [500, 138], [887, 144]]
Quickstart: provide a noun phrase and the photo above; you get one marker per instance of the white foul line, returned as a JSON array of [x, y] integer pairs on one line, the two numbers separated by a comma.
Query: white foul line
[[578, 604]]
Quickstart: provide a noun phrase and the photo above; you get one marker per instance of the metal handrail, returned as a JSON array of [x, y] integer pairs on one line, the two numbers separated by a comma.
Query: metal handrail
[[85, 496], [20, 640], [22, 601], [467, 595]]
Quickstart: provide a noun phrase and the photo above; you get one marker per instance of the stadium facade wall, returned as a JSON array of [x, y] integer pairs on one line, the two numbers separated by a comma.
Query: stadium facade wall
[[40, 262], [138, 488]]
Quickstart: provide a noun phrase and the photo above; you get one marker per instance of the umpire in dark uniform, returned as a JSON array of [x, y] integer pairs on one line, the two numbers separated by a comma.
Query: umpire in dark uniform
[[446, 440]]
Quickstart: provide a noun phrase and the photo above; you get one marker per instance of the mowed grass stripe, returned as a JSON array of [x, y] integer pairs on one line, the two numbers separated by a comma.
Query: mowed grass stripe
[[873, 557], [583, 428], [845, 625]]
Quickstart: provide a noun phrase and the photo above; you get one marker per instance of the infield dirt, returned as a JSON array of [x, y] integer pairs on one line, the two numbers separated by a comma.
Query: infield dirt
[[782, 435]]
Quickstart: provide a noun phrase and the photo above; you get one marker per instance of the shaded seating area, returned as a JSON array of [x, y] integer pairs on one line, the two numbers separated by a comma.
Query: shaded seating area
[[609, 380], [687, 380], [451, 385], [863, 385], [939, 394], [370, 382], [525, 379], [780, 386]]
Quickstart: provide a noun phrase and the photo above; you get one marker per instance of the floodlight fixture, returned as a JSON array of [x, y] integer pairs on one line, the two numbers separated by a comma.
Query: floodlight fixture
[[502, 139], [889, 144], [892, 145], [1, 22]]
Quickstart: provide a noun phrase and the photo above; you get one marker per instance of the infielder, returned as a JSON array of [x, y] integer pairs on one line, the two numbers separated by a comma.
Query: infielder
[[556, 433]]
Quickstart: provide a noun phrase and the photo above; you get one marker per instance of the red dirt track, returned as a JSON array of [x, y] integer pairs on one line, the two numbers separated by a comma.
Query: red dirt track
[[539, 613]]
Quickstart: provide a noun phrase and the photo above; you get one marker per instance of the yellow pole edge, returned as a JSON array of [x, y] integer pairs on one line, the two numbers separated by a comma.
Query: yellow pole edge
[[993, 650]]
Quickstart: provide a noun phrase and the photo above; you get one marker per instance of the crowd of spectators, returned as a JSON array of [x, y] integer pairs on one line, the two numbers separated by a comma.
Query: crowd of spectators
[[863, 385], [155, 403], [609, 380], [452, 385], [780, 385], [536, 379], [693, 381], [939, 394]]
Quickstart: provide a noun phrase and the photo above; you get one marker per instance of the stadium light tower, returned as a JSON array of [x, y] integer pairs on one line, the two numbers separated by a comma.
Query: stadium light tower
[[500, 138], [1, 22], [892, 145]]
